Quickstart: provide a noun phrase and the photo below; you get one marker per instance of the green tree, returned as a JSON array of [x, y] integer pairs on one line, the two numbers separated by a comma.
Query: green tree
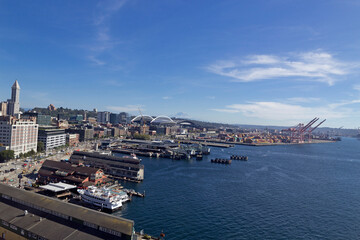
[[32, 152], [141, 136], [40, 146], [6, 155]]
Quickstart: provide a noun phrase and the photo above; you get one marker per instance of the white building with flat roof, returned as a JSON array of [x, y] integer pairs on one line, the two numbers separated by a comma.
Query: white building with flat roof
[[21, 135], [52, 137]]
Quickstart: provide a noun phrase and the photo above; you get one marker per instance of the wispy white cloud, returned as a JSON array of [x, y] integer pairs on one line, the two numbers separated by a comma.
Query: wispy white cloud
[[315, 66], [95, 60], [356, 87], [103, 41], [166, 97], [106, 9], [285, 112], [127, 108], [344, 103], [181, 115], [303, 99], [261, 59], [211, 97]]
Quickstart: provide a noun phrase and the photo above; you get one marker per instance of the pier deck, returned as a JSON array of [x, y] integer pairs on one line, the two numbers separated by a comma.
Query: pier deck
[[207, 143]]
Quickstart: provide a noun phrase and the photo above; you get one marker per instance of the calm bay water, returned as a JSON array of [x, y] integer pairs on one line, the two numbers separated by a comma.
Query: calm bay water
[[307, 191]]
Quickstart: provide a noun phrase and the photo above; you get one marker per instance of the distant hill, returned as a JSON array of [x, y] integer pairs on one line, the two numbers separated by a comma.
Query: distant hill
[[64, 112]]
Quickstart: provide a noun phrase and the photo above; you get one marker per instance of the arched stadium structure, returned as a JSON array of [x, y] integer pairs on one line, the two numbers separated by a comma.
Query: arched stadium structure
[[147, 118], [188, 123], [162, 120]]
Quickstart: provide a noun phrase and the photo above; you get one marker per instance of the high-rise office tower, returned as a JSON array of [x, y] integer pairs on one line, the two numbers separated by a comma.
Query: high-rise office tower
[[14, 102]]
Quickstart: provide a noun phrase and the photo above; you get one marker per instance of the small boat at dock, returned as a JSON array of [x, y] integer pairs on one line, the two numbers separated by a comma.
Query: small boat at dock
[[222, 161], [237, 157]]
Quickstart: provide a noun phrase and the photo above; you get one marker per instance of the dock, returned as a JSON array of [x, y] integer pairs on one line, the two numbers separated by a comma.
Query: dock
[[237, 157], [207, 143], [124, 179], [221, 161], [132, 192]]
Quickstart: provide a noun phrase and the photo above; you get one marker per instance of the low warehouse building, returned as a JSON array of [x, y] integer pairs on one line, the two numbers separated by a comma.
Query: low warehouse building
[[27, 215]]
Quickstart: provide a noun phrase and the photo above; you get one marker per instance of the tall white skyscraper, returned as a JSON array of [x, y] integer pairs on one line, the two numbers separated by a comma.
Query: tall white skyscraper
[[14, 102]]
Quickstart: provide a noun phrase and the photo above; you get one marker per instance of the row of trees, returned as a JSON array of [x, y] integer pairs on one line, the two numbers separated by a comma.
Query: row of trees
[[6, 155], [28, 154], [141, 136], [64, 112]]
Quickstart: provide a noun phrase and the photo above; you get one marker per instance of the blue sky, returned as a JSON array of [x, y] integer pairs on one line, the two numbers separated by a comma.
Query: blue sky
[[270, 62]]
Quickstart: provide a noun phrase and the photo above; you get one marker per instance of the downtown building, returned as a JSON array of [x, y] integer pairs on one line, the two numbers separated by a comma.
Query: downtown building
[[14, 103], [103, 117], [52, 137], [20, 135], [12, 106], [124, 118]]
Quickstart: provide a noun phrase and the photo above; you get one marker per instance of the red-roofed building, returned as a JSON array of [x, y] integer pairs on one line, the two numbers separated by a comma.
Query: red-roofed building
[[53, 171]]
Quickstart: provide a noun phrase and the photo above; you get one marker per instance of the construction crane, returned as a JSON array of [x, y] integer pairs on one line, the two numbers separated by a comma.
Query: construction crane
[[143, 121], [142, 117]]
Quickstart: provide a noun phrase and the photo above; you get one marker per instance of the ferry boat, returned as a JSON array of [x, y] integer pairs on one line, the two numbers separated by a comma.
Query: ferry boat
[[101, 197]]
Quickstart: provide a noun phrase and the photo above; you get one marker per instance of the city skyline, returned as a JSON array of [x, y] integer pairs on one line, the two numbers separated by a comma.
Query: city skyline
[[249, 62]]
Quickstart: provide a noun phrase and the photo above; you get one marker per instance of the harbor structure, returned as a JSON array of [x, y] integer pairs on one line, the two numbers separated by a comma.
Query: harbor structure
[[28, 215], [59, 190], [53, 171], [299, 133], [21, 135], [121, 167]]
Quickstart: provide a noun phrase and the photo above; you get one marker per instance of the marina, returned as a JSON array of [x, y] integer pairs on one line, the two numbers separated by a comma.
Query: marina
[[264, 186]]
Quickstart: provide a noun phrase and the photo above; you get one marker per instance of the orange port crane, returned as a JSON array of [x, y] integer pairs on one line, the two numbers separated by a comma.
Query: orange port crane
[[312, 129], [297, 133]]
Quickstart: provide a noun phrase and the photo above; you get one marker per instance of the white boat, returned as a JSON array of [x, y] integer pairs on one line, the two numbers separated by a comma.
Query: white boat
[[123, 195], [101, 197]]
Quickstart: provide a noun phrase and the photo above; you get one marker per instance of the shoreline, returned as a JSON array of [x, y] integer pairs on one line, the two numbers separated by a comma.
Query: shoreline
[[314, 141]]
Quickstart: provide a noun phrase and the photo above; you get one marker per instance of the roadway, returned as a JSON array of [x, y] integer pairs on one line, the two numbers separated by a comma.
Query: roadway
[[28, 167]]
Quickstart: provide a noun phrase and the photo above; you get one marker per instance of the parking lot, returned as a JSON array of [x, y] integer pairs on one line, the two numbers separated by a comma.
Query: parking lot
[[27, 168]]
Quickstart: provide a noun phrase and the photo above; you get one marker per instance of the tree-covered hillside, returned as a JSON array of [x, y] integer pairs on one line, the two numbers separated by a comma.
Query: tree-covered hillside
[[64, 112]]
